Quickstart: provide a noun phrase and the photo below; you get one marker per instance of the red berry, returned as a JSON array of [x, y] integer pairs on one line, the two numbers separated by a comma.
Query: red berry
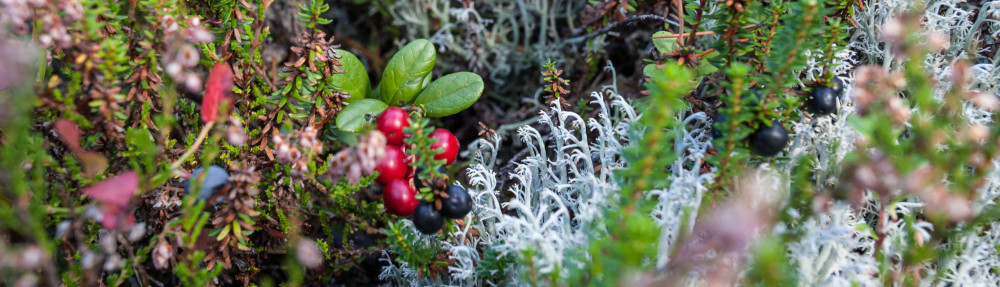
[[392, 166], [391, 123], [399, 198], [448, 145]]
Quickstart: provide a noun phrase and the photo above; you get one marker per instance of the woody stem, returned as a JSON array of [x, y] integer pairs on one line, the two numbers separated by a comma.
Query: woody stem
[[197, 143]]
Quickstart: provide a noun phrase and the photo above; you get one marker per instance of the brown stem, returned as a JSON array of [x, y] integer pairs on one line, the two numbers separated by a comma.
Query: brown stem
[[700, 33], [699, 55], [697, 18], [680, 19]]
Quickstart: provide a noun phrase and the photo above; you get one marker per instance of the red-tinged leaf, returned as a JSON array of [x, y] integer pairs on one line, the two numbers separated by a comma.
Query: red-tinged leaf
[[218, 90], [93, 163], [69, 134], [110, 215], [115, 191]]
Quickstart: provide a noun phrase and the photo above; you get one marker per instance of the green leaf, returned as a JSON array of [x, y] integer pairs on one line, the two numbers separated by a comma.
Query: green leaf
[[665, 45], [354, 80], [450, 94], [706, 66], [352, 118], [426, 81], [404, 75], [866, 229], [376, 93]]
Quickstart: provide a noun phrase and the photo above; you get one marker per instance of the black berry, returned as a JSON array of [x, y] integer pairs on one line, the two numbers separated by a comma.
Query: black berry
[[719, 120], [769, 140], [458, 203], [216, 179], [837, 85], [418, 181], [427, 219], [822, 101]]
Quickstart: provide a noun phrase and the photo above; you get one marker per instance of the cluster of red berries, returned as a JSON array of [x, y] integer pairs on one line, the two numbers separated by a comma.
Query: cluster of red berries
[[398, 176]]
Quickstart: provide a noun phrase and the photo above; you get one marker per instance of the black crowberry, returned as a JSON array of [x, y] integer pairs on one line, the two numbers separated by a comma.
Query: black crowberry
[[458, 203], [822, 101], [769, 140], [719, 119], [427, 219], [419, 182], [837, 85]]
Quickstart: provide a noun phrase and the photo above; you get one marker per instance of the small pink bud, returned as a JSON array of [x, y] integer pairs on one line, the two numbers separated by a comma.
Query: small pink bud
[[236, 136], [308, 254]]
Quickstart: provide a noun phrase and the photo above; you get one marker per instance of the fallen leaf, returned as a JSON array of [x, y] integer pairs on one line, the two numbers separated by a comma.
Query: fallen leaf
[[93, 163], [69, 134]]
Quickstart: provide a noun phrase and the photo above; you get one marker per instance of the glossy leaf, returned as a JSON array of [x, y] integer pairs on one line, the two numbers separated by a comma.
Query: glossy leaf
[[354, 80], [426, 81], [406, 71], [450, 94], [218, 90], [353, 117]]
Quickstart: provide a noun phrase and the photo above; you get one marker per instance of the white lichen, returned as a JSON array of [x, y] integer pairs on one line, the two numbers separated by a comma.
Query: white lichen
[[554, 191]]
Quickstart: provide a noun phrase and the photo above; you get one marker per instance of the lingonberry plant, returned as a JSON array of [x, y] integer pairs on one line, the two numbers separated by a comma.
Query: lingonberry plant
[[496, 143]]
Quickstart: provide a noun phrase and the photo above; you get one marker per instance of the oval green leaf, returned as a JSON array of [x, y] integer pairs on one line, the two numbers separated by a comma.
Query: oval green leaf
[[404, 74], [664, 45], [354, 80], [353, 117], [450, 94], [426, 81]]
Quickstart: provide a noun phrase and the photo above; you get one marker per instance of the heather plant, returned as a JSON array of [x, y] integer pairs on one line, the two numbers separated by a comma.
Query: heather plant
[[634, 143], [179, 156]]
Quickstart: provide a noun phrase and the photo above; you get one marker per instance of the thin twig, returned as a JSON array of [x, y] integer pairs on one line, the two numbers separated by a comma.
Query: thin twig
[[680, 17], [698, 20], [700, 33], [630, 21], [699, 55], [375, 58], [197, 143]]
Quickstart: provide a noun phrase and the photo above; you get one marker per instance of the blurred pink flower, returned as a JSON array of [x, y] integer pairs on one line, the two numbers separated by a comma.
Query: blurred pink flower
[[308, 253], [162, 254], [16, 59]]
